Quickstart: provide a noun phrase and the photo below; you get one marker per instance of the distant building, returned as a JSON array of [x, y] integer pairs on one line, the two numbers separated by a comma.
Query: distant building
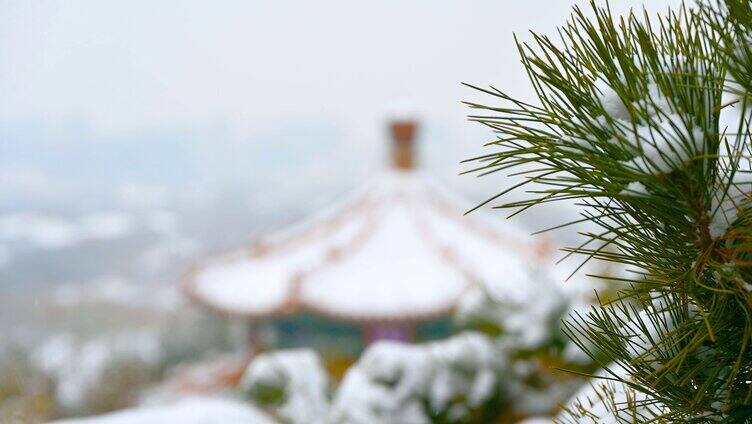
[[389, 262]]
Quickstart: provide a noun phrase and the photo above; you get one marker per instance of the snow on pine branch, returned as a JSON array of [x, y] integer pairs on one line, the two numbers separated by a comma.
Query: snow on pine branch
[[662, 140]]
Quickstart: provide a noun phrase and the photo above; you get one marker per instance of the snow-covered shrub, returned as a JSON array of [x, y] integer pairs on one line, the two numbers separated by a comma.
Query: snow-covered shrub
[[385, 385], [527, 314], [25, 394], [292, 382], [466, 385], [99, 374], [454, 380], [525, 321]]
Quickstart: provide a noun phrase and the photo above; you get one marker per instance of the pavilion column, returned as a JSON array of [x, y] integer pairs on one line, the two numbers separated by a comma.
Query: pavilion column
[[402, 331], [256, 343]]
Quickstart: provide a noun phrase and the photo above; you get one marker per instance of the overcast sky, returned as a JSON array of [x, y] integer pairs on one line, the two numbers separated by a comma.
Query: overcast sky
[[299, 76], [272, 106], [125, 64]]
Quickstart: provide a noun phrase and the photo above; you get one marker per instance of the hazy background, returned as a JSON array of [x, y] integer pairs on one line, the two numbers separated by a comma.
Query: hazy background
[[138, 136]]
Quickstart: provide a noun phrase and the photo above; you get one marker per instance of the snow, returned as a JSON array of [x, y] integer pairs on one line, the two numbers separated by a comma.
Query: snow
[[300, 375], [572, 352], [479, 246], [647, 329], [54, 232], [526, 307], [41, 230], [465, 354], [378, 275], [612, 103], [117, 290], [663, 144], [107, 288], [605, 402], [731, 195], [668, 141], [360, 401], [536, 420], [666, 145], [257, 283], [527, 316], [727, 201], [398, 248], [200, 410], [230, 286], [636, 189], [368, 393], [393, 362], [170, 250]]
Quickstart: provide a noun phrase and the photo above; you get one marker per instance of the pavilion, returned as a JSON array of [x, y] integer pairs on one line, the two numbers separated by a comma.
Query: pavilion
[[388, 262]]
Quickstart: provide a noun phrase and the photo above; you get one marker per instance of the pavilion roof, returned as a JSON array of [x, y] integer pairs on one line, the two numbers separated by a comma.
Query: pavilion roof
[[399, 249]]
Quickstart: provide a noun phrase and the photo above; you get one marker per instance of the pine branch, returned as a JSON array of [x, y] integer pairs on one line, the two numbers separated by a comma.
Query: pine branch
[[628, 123]]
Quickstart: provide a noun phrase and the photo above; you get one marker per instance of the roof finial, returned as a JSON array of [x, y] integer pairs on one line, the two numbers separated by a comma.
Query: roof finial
[[403, 134], [403, 125]]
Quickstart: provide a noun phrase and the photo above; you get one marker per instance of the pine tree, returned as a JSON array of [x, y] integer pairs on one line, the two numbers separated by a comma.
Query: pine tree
[[642, 121]]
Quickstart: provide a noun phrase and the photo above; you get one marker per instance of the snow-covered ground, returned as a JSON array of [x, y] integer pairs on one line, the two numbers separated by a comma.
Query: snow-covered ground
[[206, 410]]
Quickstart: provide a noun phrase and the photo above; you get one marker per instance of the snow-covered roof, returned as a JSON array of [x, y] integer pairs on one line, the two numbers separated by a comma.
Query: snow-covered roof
[[398, 249]]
